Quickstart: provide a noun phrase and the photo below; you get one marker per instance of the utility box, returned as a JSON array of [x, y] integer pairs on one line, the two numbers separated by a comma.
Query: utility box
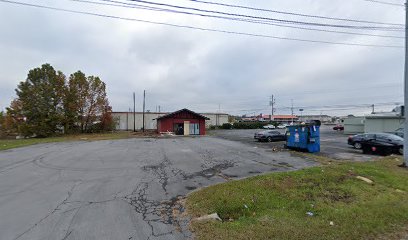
[[304, 137]]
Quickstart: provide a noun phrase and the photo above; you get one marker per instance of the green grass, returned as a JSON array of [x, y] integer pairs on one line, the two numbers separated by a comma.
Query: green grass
[[277, 204], [15, 143]]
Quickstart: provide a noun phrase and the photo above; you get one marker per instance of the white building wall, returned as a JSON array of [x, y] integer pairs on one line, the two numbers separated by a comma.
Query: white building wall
[[216, 119], [383, 124], [124, 120], [354, 125]]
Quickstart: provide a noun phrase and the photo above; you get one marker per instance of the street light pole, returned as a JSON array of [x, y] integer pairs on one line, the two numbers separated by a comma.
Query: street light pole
[[406, 89], [292, 107]]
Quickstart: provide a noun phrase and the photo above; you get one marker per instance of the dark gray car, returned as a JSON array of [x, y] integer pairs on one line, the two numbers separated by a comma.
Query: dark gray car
[[270, 136]]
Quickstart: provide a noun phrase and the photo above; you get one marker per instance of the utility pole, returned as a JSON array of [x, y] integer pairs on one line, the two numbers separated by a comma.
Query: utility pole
[[134, 112], [144, 106], [406, 89], [373, 106], [272, 103], [217, 115], [292, 110], [159, 108]]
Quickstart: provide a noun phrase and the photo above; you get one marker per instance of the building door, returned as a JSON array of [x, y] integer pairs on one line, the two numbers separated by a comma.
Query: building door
[[194, 129], [179, 128], [186, 128]]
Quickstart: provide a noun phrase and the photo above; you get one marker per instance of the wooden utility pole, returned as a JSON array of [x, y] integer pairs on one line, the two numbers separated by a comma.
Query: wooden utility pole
[[272, 103], [134, 112], [144, 107], [292, 110]]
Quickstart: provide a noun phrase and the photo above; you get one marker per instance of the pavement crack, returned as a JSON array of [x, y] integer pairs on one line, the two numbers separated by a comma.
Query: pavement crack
[[154, 211], [210, 172], [160, 171], [69, 194]]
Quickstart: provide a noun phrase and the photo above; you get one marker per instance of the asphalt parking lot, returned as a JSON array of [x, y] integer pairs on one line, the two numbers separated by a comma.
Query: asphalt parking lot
[[333, 143], [132, 188], [122, 189]]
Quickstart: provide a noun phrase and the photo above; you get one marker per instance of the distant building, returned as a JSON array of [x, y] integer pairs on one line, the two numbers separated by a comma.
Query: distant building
[[387, 122], [182, 122], [249, 119], [383, 123], [286, 119], [321, 118], [124, 120], [354, 125]]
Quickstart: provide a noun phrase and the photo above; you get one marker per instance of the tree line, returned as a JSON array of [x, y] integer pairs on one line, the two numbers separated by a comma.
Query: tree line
[[48, 103]]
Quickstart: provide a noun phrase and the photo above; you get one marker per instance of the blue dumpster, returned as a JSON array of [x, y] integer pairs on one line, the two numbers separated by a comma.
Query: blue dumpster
[[305, 137]]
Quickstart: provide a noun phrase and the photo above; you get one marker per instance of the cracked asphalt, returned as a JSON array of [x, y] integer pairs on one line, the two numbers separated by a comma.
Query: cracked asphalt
[[122, 189]]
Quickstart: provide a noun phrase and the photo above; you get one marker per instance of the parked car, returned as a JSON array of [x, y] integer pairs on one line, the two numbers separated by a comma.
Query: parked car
[[356, 140], [282, 126], [383, 144], [399, 132], [338, 128], [270, 136], [270, 126]]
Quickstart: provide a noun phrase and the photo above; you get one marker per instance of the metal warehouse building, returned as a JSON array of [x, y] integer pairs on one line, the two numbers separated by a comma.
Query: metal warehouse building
[[124, 120], [387, 123], [383, 123]]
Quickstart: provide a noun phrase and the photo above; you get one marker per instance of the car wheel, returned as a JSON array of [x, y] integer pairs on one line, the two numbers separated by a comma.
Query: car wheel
[[269, 139], [357, 145], [386, 151], [401, 150]]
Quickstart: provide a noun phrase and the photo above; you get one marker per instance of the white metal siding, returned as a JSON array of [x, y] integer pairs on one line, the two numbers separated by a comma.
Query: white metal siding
[[151, 124]]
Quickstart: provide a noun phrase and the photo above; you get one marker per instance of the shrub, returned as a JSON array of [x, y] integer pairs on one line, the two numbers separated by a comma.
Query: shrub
[[226, 126], [249, 125]]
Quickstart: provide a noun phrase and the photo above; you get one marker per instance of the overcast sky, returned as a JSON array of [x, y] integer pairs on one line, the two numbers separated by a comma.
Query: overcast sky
[[209, 71]]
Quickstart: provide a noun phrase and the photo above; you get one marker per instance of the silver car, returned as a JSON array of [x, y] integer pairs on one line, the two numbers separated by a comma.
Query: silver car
[[270, 136]]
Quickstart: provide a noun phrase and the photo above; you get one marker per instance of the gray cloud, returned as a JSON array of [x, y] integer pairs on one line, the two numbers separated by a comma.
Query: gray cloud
[[200, 70]]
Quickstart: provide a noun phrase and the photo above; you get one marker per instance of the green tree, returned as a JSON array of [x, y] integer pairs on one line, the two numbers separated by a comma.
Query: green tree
[[2, 124], [41, 96], [107, 121], [13, 118], [75, 99], [86, 104]]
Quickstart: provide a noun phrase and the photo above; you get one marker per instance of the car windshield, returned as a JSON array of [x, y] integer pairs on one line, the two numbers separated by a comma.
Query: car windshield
[[391, 136], [395, 137]]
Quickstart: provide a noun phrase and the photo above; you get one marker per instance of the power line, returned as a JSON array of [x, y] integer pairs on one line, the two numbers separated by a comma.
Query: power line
[[324, 108], [295, 14], [271, 19], [387, 3], [320, 91], [199, 28], [136, 6]]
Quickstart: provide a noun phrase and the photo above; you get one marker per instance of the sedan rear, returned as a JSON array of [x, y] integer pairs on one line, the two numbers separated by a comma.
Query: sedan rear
[[270, 136]]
